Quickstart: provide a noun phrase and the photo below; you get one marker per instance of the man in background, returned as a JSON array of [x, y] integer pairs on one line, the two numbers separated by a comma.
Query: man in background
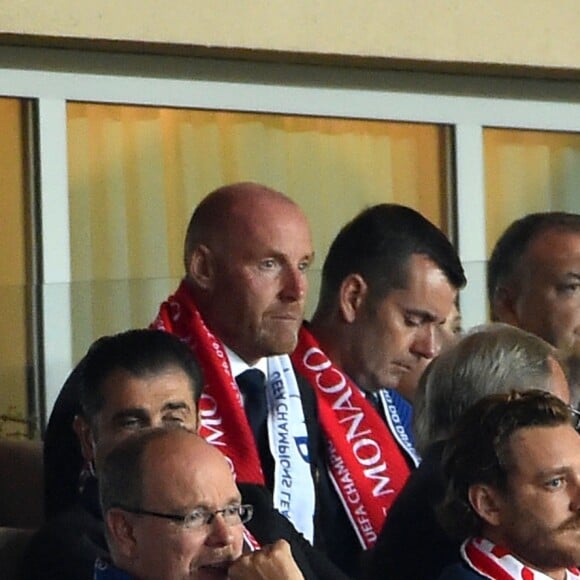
[[512, 476], [534, 277]]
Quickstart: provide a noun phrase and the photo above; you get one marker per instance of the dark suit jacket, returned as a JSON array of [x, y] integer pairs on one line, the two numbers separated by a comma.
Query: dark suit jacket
[[63, 459], [412, 544], [66, 547], [460, 571]]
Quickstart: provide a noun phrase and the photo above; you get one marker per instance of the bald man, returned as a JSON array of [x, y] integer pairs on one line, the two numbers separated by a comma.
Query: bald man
[[240, 306], [172, 511]]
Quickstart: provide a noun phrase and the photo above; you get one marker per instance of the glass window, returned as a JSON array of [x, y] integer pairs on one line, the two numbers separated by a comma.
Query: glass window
[[14, 278], [528, 171], [136, 173]]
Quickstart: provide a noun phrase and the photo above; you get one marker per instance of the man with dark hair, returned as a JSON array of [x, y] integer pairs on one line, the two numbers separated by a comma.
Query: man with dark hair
[[495, 358], [129, 381], [512, 476], [534, 277], [151, 359], [139, 353], [388, 283], [173, 511]]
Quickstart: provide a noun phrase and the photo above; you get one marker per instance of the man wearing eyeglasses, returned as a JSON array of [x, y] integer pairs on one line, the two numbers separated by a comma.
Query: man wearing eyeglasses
[[173, 511]]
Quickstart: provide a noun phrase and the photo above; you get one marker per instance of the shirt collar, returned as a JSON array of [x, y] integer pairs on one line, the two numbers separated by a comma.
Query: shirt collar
[[238, 365]]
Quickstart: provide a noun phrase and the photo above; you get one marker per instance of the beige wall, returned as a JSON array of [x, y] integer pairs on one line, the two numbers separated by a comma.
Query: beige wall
[[539, 35]]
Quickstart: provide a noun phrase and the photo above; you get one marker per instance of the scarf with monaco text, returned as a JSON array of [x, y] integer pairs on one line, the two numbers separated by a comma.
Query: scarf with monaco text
[[367, 466]]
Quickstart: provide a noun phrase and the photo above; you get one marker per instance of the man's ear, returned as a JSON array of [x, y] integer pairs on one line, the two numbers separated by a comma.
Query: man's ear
[[121, 532], [353, 292], [85, 435], [486, 502], [504, 305], [201, 267]]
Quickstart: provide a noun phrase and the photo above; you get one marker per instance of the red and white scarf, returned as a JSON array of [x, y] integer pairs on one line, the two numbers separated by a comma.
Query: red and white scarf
[[250, 543], [366, 465], [497, 563], [223, 422]]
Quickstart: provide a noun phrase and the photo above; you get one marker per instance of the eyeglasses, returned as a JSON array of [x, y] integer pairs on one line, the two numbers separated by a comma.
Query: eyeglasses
[[200, 517], [575, 417]]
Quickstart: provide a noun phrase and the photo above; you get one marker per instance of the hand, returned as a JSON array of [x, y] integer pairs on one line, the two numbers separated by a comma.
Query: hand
[[273, 562]]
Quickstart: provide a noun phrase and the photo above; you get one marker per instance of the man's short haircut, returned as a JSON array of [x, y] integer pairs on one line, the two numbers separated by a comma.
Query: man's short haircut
[[378, 243], [493, 358], [503, 266], [122, 471], [141, 353], [479, 450]]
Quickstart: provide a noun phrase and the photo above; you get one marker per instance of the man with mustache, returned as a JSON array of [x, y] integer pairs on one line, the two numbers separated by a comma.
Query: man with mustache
[[512, 475], [173, 512]]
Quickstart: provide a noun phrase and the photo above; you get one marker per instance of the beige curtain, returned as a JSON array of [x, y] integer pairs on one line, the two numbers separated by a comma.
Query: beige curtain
[[529, 171], [13, 271], [136, 174]]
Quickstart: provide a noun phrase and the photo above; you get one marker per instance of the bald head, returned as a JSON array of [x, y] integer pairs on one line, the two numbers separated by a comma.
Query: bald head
[[247, 253], [178, 462], [152, 457], [229, 210], [149, 483]]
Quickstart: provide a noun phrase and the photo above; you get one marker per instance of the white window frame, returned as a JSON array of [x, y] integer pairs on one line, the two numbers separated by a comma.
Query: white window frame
[[468, 104]]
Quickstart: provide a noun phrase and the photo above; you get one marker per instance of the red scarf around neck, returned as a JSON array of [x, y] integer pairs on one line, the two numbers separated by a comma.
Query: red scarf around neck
[[223, 422], [493, 561], [366, 464]]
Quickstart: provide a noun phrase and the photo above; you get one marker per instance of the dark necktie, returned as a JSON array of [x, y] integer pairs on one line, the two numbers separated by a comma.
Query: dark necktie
[[375, 400], [253, 386]]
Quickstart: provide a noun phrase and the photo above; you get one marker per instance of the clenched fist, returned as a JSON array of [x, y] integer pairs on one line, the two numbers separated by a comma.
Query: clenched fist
[[273, 562]]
